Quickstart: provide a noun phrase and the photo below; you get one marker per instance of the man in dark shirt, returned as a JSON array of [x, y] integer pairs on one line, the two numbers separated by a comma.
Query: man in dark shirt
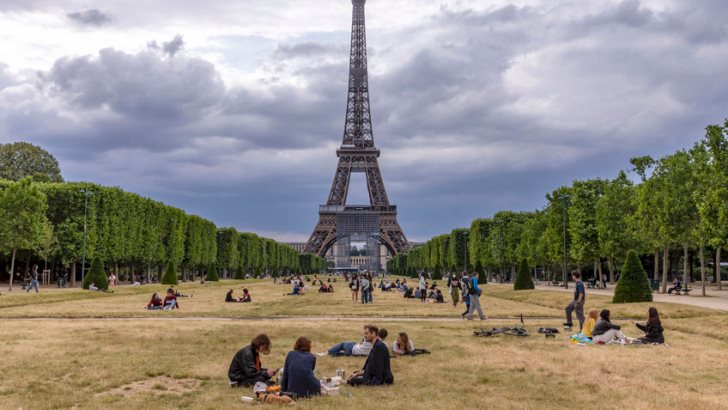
[[578, 303], [245, 369], [377, 370]]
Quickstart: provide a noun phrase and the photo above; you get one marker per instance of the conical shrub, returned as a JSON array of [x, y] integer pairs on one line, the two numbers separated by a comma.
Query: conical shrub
[[212, 274], [523, 277], [96, 275], [633, 285], [437, 273], [170, 275], [239, 273]]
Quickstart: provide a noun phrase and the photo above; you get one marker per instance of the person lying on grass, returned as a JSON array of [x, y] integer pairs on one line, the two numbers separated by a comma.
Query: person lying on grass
[[245, 368], [298, 370], [653, 328], [403, 345], [297, 290], [170, 301], [352, 348], [377, 370], [177, 294], [92, 287], [155, 303], [605, 332]]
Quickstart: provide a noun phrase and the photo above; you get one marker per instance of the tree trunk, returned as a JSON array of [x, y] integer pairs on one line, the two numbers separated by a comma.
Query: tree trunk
[[686, 250], [132, 273], [27, 264], [702, 268], [12, 270], [717, 267], [73, 274], [665, 267], [656, 269], [612, 269], [599, 268]]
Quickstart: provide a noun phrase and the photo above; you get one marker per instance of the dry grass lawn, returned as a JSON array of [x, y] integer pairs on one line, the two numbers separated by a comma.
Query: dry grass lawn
[[49, 362]]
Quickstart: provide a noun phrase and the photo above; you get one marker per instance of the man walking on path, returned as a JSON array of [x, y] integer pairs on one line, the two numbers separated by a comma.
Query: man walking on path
[[474, 292], [578, 303], [33, 279]]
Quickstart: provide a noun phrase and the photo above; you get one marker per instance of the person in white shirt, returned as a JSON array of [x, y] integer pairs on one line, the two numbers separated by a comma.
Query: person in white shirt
[[352, 348], [403, 345]]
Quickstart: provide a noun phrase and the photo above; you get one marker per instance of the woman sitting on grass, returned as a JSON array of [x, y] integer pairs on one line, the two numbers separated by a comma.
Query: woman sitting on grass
[[653, 328], [155, 303], [605, 332], [591, 321], [246, 296], [296, 290], [403, 345], [298, 370]]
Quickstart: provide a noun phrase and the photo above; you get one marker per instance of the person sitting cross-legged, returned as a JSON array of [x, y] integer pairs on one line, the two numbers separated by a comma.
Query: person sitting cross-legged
[[245, 368], [352, 348], [377, 370], [246, 296], [170, 301], [653, 328], [606, 332], [155, 303]]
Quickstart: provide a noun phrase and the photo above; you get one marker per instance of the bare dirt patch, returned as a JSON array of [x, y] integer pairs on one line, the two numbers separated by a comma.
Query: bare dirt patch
[[158, 384]]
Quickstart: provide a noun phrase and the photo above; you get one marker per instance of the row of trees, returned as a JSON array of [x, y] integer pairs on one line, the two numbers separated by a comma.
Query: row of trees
[[676, 209], [133, 235]]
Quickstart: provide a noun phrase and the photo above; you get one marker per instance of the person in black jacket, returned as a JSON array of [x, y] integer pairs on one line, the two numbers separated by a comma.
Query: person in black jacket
[[298, 370], [377, 370], [606, 332], [245, 369], [653, 328]]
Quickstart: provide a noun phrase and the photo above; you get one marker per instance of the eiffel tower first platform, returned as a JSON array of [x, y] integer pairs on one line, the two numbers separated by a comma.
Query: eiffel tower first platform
[[377, 223]]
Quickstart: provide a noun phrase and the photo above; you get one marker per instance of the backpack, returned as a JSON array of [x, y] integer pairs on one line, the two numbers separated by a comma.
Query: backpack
[[469, 284]]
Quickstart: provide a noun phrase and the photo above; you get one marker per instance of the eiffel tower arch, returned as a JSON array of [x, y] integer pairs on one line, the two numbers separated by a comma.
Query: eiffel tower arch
[[340, 223]]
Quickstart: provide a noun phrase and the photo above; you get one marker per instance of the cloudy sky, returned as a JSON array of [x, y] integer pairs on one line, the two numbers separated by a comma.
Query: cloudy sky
[[233, 109]]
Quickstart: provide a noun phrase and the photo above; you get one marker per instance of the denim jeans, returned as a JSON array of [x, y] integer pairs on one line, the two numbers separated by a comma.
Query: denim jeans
[[33, 284], [364, 296], [342, 349]]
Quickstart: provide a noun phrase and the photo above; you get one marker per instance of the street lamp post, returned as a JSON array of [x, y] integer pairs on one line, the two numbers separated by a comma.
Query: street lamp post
[[465, 257], [564, 199], [86, 194]]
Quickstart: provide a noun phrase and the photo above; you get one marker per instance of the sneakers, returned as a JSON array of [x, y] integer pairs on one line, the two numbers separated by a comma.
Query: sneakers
[[568, 324]]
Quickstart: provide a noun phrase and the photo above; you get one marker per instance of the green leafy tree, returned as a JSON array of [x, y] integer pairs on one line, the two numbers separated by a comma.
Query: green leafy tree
[[22, 219], [633, 285], [614, 213], [96, 275], [523, 277], [170, 274], [21, 159]]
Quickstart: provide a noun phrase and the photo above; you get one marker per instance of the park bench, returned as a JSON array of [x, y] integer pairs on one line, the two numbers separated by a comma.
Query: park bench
[[683, 291]]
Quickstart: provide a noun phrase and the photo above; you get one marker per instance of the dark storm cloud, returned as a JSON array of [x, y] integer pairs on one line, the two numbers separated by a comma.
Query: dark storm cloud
[[91, 17], [476, 111]]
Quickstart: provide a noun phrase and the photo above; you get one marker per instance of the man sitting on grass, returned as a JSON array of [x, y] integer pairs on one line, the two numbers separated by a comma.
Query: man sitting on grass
[[377, 370], [170, 301], [245, 369], [352, 348]]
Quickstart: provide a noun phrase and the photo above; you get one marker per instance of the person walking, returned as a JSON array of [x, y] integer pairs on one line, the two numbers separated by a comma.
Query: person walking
[[474, 292], [578, 303], [33, 279], [423, 288], [453, 282], [365, 288], [354, 286]]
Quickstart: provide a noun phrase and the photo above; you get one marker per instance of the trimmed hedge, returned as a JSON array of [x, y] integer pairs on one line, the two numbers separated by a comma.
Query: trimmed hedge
[[96, 275], [212, 274], [633, 285], [170, 275], [523, 277]]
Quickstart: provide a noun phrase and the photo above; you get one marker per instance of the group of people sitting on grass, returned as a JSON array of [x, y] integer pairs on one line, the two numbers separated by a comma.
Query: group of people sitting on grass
[[229, 298], [599, 327], [403, 345], [326, 288], [297, 374], [168, 303]]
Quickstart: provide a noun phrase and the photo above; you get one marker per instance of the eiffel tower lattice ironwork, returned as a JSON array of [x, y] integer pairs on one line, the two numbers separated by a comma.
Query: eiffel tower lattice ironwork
[[357, 154]]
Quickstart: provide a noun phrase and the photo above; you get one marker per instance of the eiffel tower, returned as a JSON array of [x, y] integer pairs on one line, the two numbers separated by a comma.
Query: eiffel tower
[[337, 221]]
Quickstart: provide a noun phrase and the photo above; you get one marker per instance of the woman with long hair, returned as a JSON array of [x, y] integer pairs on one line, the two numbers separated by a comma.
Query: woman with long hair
[[354, 286], [403, 345], [606, 332], [155, 303], [653, 328], [591, 321]]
